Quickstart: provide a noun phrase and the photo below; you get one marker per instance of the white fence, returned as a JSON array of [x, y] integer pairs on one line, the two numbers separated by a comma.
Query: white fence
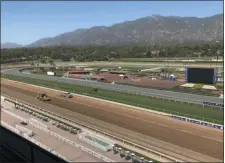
[[14, 115], [73, 143], [38, 122], [29, 132]]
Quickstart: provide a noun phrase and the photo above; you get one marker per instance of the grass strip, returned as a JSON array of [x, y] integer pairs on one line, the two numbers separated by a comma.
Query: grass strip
[[195, 111]]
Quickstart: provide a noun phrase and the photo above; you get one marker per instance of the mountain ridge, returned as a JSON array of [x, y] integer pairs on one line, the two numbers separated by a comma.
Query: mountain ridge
[[155, 29], [8, 45]]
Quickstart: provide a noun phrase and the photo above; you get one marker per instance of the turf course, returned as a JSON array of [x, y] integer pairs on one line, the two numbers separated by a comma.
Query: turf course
[[209, 114]]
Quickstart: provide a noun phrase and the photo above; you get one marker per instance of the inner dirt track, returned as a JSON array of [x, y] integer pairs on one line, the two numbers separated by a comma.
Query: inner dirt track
[[207, 141]]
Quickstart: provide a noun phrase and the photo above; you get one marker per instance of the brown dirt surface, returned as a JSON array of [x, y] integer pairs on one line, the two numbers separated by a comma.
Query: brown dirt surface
[[134, 80], [141, 81], [111, 77], [158, 83], [197, 138]]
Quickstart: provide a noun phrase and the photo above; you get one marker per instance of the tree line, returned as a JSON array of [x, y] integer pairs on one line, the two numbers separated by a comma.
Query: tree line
[[106, 53]]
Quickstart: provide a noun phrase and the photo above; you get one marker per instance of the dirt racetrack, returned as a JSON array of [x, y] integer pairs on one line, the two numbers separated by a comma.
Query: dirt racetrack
[[197, 138]]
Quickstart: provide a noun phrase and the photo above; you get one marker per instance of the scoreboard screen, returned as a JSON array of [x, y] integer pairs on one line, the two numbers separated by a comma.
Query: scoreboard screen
[[200, 75]]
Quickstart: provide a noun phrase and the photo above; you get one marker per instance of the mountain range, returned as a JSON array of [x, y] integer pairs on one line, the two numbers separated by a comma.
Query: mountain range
[[153, 29], [9, 45]]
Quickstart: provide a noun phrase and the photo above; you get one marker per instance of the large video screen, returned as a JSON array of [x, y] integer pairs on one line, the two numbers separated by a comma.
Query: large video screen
[[200, 75]]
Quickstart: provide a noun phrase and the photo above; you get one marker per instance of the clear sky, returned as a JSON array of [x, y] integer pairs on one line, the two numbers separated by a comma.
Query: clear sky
[[26, 22]]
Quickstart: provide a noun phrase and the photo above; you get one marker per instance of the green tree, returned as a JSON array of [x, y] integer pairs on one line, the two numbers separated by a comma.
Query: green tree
[[51, 62], [149, 54], [65, 58], [43, 60], [92, 53]]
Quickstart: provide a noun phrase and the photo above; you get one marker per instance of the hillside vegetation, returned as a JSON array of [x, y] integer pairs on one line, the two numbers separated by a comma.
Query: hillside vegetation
[[106, 53]]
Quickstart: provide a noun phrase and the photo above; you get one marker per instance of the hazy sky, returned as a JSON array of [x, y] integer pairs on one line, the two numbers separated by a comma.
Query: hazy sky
[[25, 22]]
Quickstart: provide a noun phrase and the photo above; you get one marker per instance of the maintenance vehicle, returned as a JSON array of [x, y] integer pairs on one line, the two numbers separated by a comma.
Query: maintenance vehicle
[[43, 97], [66, 95]]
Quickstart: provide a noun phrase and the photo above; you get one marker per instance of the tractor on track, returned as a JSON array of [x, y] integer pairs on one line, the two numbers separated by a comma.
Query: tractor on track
[[43, 97], [66, 95]]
